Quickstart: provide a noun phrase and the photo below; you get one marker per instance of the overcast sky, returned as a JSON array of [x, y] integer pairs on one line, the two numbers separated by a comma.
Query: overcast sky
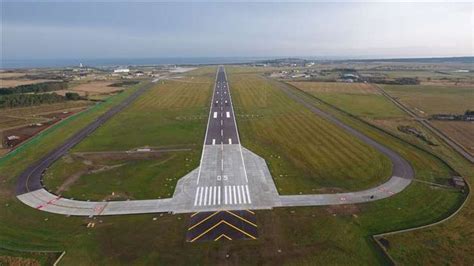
[[111, 30]]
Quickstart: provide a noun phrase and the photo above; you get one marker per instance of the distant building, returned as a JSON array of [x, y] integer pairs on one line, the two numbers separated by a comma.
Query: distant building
[[122, 70]]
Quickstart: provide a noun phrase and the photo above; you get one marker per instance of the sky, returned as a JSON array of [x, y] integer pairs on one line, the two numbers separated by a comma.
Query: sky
[[55, 30]]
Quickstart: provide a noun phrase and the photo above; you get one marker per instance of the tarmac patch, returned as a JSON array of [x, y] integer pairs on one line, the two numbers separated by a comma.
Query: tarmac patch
[[222, 225]]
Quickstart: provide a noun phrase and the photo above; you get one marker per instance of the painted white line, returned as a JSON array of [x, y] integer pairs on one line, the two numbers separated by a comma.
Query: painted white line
[[227, 114], [244, 198], [222, 122], [213, 141], [222, 132], [235, 194], [211, 189], [196, 198], [230, 195], [248, 193], [200, 196], [215, 114], [214, 196], [219, 195], [217, 101], [225, 195], [205, 195], [207, 129], [230, 141], [238, 195]]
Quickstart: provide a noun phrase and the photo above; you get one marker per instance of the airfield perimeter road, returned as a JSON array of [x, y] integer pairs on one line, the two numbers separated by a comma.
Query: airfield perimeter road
[[229, 177], [30, 179]]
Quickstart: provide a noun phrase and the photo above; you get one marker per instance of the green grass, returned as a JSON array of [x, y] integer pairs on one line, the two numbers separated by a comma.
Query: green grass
[[128, 179], [172, 114], [426, 100], [9, 257], [305, 153], [359, 99], [449, 238]]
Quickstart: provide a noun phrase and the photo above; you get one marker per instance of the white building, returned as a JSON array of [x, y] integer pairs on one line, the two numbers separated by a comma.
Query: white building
[[121, 70]]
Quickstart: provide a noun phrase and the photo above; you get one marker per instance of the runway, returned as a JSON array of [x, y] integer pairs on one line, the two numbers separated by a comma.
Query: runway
[[229, 178]]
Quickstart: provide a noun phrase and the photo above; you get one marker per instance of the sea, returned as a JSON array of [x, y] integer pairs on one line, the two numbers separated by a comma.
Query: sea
[[114, 62]]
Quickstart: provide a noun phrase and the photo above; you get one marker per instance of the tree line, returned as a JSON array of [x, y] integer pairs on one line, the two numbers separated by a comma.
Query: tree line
[[35, 94], [35, 88], [22, 100]]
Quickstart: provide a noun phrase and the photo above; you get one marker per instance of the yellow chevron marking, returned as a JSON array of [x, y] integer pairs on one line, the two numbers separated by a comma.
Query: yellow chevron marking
[[194, 214], [203, 220], [223, 235], [242, 218], [205, 232], [250, 211], [238, 229], [217, 224]]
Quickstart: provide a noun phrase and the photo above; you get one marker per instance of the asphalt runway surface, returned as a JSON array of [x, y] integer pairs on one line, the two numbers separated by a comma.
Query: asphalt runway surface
[[30, 179], [221, 128]]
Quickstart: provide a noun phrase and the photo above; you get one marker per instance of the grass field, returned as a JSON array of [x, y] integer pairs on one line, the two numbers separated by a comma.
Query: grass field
[[313, 235], [305, 153], [171, 114], [356, 98], [428, 100]]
